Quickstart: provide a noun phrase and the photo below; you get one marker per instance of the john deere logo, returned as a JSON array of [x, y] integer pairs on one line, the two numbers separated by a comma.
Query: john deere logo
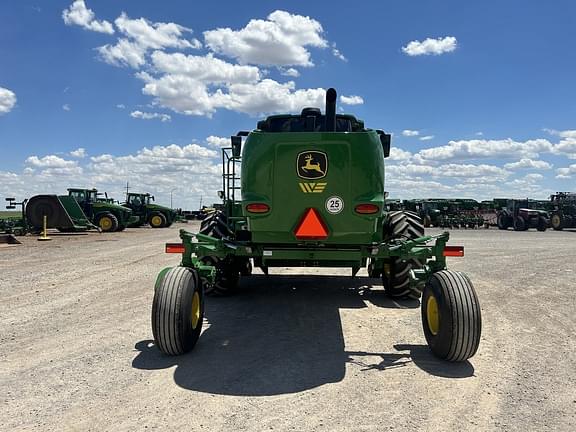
[[312, 164]]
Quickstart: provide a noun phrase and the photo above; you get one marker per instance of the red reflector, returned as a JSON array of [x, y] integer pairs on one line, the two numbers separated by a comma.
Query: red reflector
[[453, 251], [366, 208], [174, 248], [311, 227], [258, 208]]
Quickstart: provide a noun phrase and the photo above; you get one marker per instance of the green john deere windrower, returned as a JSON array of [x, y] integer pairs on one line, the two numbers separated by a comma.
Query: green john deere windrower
[[312, 195]]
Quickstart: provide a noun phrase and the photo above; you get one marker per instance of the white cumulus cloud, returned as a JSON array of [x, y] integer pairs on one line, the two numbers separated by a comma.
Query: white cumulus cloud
[[351, 100], [528, 164], [218, 142], [79, 153], [567, 144], [566, 173], [150, 116], [7, 100], [123, 53], [280, 40], [480, 148], [431, 46], [78, 14], [149, 35], [410, 133], [290, 72], [206, 69], [426, 138]]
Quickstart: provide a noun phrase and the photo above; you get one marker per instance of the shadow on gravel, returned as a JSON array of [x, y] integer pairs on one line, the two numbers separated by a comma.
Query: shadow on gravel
[[281, 335], [423, 358]]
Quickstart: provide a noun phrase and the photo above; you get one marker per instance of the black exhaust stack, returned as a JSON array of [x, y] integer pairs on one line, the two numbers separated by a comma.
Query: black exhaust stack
[[331, 110]]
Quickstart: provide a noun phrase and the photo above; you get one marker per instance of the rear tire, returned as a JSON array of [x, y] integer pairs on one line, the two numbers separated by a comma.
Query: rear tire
[[427, 221], [520, 224], [557, 221], [177, 311], [157, 220], [226, 278], [107, 222], [396, 271], [451, 316], [542, 224], [216, 225], [502, 222], [228, 269]]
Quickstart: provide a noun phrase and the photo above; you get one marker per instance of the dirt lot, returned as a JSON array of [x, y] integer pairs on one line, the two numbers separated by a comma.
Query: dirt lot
[[293, 352]]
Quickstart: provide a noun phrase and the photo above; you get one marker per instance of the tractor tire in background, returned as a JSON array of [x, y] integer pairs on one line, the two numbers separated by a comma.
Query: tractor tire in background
[[451, 316], [227, 269], [396, 271], [216, 225], [542, 224], [107, 222], [177, 310], [427, 221], [502, 221], [557, 221], [520, 224], [157, 220]]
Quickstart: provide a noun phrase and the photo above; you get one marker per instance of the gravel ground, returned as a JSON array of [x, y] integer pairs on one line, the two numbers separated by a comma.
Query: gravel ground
[[298, 350]]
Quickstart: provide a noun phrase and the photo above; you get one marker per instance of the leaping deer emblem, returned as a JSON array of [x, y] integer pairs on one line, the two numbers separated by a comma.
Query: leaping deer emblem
[[309, 166]]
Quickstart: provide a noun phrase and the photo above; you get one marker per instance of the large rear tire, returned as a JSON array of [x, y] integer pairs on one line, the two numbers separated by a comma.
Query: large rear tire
[[157, 220], [228, 269], [557, 221], [107, 222], [177, 310], [396, 271], [502, 222], [542, 224], [520, 224], [451, 316]]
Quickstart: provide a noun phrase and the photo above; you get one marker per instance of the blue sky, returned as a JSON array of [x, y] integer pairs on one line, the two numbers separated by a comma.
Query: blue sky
[[480, 97]]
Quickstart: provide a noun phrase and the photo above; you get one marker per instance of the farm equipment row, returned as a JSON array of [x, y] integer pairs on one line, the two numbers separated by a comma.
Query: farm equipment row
[[557, 213], [82, 210]]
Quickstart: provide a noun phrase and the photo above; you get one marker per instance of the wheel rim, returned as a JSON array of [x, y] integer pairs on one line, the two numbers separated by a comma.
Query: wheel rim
[[195, 313], [432, 315], [156, 220], [105, 223], [555, 221]]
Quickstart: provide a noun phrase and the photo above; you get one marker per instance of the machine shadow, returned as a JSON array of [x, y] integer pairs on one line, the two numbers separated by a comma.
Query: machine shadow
[[419, 355], [282, 334]]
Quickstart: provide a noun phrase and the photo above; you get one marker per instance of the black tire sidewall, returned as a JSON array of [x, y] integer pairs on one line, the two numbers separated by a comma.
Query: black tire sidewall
[[162, 217], [189, 334], [113, 218], [441, 342]]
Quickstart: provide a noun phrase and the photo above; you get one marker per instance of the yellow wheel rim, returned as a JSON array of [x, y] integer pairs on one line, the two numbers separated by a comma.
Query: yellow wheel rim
[[555, 221], [156, 221], [195, 314], [432, 315], [105, 223]]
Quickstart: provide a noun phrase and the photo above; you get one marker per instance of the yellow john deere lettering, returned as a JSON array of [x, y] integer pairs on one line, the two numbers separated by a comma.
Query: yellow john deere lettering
[[312, 187]]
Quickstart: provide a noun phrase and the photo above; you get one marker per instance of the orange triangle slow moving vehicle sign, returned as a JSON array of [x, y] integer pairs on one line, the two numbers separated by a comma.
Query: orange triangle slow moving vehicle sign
[[311, 227]]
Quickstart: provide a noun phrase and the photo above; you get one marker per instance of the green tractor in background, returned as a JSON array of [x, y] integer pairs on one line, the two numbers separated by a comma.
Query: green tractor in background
[[107, 216], [563, 212], [312, 195], [147, 212]]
